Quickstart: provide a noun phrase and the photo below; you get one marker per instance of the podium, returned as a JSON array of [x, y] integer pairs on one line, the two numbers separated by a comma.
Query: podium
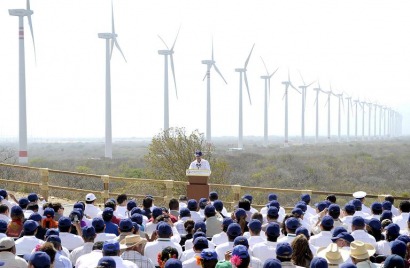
[[198, 186]]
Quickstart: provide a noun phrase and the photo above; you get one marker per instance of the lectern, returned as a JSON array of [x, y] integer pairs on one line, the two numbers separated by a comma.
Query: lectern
[[198, 183]]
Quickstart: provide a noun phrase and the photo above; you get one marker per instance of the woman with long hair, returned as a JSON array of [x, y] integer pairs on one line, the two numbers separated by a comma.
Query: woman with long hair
[[166, 254], [302, 255]]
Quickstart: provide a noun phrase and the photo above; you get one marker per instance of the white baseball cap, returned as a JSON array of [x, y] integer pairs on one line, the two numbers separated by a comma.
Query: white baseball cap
[[90, 197], [359, 194]]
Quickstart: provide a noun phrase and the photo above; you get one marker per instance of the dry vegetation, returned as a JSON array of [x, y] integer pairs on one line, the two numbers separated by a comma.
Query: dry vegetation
[[377, 167]]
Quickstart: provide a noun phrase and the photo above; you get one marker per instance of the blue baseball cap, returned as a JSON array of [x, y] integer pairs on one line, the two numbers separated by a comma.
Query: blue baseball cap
[[374, 223], [356, 203], [376, 206], [125, 225], [272, 197], [49, 212], [343, 235], [305, 198], [184, 212], [292, 223], [35, 217], [241, 240], [52, 231], [404, 238], [240, 212], [241, 251], [16, 210], [200, 225], [108, 212], [218, 205], [272, 263], [209, 254], [3, 193], [156, 212], [192, 205], [234, 229], [226, 222], [173, 263], [107, 262], [394, 260], [248, 197], [3, 226], [79, 205], [131, 204], [350, 208], [318, 262], [53, 238], [98, 223], [164, 229], [386, 205], [111, 245], [32, 197], [334, 208], [358, 221], [64, 222], [398, 247], [30, 226], [297, 212], [213, 195], [327, 221], [200, 241], [321, 205], [40, 259], [393, 229], [274, 203], [255, 225], [339, 229], [88, 231], [273, 229], [386, 214], [284, 250], [137, 218], [209, 209], [273, 212], [302, 205], [302, 230], [23, 202], [198, 234], [136, 210]]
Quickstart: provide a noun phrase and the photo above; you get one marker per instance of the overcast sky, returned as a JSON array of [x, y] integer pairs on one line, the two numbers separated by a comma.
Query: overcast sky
[[359, 47]]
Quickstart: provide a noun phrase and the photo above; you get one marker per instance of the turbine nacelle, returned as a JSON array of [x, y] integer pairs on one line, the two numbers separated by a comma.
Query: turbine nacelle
[[20, 12], [208, 62], [240, 70], [165, 52], [107, 35], [265, 77]]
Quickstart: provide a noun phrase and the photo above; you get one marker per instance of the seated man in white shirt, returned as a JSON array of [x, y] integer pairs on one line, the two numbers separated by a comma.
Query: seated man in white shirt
[[403, 218], [69, 240], [26, 244], [90, 209], [222, 237], [359, 233], [255, 228], [324, 238], [267, 249]]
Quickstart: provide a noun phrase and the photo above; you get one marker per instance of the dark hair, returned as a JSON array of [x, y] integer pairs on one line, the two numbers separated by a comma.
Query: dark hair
[[121, 198], [89, 202], [244, 263], [173, 204], [331, 198], [209, 213], [32, 206], [98, 245], [189, 226], [3, 208], [56, 206], [147, 202], [334, 214], [405, 206], [208, 263], [257, 216], [110, 204], [272, 238], [377, 234], [167, 253], [389, 198], [107, 217], [245, 204], [376, 211], [302, 255]]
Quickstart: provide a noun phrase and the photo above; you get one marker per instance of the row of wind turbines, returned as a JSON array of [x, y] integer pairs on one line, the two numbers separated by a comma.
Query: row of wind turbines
[[392, 120]]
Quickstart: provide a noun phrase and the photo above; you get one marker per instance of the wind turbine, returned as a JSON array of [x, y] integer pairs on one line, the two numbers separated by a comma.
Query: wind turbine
[[329, 93], [304, 87], [287, 84], [209, 65], [267, 78], [370, 117], [168, 52], [242, 73], [380, 121], [340, 97], [108, 53], [362, 103], [318, 89], [21, 13], [375, 120], [349, 105], [357, 102]]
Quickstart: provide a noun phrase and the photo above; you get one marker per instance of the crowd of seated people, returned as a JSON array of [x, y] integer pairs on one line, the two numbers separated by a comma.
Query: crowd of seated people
[[191, 233]]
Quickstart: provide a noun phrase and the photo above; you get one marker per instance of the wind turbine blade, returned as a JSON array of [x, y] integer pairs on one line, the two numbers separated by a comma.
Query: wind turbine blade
[[343, 105], [112, 18], [112, 47], [267, 73], [247, 87], [163, 42], [326, 102], [205, 75], [31, 29], [212, 48], [295, 88], [247, 60], [310, 84], [270, 76], [173, 74], [302, 78], [118, 46], [173, 45], [314, 103], [284, 95], [220, 74]]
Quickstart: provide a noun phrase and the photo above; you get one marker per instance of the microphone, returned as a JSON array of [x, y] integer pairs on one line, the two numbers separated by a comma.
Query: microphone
[[198, 165]]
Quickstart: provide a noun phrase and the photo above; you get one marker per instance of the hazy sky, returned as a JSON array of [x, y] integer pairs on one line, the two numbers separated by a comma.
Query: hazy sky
[[360, 47]]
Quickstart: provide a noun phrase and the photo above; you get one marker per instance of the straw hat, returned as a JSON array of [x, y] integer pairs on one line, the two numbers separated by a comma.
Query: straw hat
[[333, 254], [360, 250], [132, 240]]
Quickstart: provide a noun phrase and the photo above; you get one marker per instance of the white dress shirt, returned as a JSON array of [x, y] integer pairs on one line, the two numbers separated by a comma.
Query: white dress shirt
[[363, 236], [401, 220], [92, 211], [26, 244], [264, 250], [61, 261], [80, 251], [222, 249], [89, 260], [153, 248], [322, 239], [191, 262], [220, 238], [203, 164], [11, 260], [71, 241]]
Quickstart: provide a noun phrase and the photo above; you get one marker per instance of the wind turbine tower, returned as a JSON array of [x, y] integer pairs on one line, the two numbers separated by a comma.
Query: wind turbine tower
[[242, 76], [21, 13], [340, 97], [329, 93], [110, 42], [209, 65], [370, 117], [363, 104], [349, 105], [303, 88], [267, 78], [168, 52], [318, 89], [375, 121], [287, 84]]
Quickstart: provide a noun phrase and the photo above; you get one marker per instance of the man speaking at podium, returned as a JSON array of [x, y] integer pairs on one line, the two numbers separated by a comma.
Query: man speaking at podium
[[199, 163]]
